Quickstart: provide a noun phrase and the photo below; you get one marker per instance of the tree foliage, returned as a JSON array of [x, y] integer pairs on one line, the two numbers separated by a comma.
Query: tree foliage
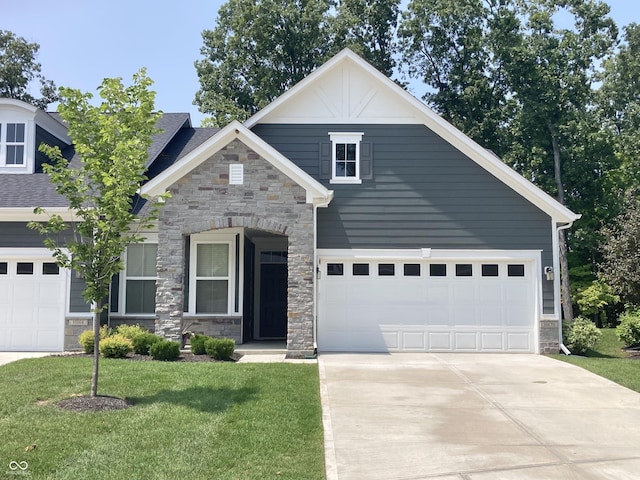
[[620, 267], [111, 140], [18, 69], [260, 48]]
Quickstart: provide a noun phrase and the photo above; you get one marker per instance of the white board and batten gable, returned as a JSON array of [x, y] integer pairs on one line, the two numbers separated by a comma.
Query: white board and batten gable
[[348, 90]]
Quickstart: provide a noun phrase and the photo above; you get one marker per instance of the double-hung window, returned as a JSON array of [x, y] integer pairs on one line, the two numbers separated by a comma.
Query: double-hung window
[[212, 278], [345, 157], [140, 278], [12, 144]]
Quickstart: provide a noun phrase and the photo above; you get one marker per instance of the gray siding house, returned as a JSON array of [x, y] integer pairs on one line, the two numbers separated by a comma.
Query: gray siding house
[[344, 216]]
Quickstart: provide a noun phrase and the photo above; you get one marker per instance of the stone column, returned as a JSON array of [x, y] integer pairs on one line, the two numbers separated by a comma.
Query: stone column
[[300, 289], [169, 286]]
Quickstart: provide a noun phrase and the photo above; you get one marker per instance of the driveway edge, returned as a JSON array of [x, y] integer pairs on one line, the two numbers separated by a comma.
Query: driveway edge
[[331, 464]]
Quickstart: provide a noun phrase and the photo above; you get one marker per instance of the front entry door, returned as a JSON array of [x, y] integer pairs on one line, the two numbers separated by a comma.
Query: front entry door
[[273, 300]]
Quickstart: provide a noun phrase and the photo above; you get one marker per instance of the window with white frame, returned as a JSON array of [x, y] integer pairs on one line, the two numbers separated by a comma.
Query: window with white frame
[[212, 278], [345, 157], [140, 278], [12, 144]]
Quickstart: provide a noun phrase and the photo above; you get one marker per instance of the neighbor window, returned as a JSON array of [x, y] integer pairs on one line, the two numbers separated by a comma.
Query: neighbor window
[[140, 278], [12, 143], [345, 157], [212, 278]]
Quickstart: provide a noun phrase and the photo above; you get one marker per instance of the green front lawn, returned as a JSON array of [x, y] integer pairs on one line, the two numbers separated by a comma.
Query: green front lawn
[[610, 361], [190, 421]]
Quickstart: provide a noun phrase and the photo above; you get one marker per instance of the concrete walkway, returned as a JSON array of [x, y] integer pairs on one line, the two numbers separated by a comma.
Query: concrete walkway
[[475, 417], [8, 357]]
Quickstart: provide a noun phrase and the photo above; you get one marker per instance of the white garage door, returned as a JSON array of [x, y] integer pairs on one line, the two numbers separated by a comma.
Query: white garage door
[[32, 304], [475, 306]]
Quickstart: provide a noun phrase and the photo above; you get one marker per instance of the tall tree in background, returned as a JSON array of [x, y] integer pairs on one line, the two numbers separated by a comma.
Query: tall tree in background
[[260, 48], [551, 73], [256, 51], [453, 47], [18, 68], [368, 27], [112, 141]]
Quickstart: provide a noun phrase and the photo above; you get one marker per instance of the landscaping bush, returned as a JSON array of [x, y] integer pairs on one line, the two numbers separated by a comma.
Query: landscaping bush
[[130, 331], [115, 346], [197, 344], [165, 350], [583, 335], [85, 339], [220, 348], [629, 329], [142, 342]]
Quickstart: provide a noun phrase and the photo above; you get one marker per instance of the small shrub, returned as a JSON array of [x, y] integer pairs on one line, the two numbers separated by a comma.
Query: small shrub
[[142, 342], [629, 329], [165, 350], [583, 335], [220, 348], [115, 346], [130, 331], [197, 344], [85, 339]]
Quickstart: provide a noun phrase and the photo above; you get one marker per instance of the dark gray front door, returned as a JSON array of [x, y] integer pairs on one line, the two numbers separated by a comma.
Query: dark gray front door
[[273, 300]]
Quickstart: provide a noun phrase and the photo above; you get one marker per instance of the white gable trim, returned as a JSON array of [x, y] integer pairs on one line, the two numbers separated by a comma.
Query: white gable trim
[[317, 194], [421, 115], [26, 214]]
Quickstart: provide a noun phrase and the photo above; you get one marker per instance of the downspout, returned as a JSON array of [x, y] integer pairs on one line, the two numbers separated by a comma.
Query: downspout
[[563, 347], [324, 204]]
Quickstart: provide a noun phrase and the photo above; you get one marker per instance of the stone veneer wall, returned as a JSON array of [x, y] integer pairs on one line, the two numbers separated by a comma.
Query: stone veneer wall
[[549, 341], [268, 200], [74, 326]]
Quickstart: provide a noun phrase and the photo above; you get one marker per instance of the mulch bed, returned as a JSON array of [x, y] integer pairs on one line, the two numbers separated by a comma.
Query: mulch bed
[[102, 403]]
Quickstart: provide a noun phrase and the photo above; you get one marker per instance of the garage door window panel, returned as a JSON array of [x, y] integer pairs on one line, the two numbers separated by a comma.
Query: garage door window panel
[[4, 268], [50, 268], [515, 270], [489, 270], [438, 270], [464, 270], [24, 268], [140, 279], [411, 269], [335, 269], [360, 269], [386, 269]]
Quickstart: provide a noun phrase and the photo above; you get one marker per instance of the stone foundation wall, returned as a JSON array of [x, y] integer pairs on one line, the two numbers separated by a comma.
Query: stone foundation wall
[[221, 327], [145, 322], [548, 340], [72, 328]]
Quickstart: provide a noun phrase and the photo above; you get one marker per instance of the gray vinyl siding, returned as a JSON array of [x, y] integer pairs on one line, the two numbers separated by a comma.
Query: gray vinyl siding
[[42, 136], [424, 193]]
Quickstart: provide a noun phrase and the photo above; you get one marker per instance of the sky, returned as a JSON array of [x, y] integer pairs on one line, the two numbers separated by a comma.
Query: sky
[[84, 41]]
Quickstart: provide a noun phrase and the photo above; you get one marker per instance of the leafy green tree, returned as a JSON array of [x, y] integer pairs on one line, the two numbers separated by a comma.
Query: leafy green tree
[[18, 68], [111, 140], [453, 46], [368, 27], [257, 50], [618, 104], [550, 72], [620, 267]]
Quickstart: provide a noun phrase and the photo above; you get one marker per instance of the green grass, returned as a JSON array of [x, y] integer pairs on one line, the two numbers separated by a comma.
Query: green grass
[[190, 420], [609, 360]]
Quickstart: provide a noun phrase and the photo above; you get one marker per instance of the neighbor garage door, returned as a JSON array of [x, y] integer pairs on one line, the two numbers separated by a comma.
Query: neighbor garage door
[[389, 305], [32, 306]]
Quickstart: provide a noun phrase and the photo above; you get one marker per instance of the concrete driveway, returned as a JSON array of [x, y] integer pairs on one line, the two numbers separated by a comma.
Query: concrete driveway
[[475, 417], [8, 357]]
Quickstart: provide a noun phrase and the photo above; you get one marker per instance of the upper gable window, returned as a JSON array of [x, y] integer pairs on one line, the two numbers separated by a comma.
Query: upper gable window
[[14, 143], [345, 157]]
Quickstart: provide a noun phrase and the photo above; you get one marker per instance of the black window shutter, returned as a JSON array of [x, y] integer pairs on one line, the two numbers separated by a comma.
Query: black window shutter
[[325, 160], [366, 161]]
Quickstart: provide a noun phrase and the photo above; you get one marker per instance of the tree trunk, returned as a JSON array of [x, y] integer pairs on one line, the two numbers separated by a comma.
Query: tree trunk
[[96, 348], [565, 290]]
